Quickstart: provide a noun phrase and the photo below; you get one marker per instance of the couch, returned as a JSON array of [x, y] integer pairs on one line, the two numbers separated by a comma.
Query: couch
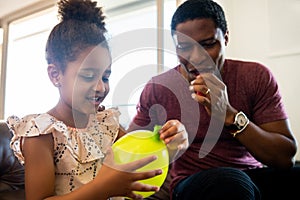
[[11, 171]]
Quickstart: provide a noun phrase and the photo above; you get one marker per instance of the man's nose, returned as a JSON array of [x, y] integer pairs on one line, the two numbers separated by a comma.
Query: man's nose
[[197, 56]]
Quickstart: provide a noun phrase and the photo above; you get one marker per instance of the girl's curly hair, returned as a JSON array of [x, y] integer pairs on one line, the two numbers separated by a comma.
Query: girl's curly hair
[[81, 25]]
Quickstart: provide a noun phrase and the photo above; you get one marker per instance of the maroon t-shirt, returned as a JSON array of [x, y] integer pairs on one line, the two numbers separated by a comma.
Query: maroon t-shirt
[[251, 88]]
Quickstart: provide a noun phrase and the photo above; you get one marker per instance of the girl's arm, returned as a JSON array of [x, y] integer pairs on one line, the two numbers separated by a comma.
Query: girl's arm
[[111, 180], [39, 167]]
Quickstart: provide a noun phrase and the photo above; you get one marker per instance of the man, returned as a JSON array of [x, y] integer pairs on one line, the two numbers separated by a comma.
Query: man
[[241, 145]]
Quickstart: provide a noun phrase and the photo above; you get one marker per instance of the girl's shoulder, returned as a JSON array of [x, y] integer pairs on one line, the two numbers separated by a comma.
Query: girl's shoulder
[[34, 124], [30, 126]]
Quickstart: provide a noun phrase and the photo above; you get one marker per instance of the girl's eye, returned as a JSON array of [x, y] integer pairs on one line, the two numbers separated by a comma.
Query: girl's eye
[[88, 76], [105, 79]]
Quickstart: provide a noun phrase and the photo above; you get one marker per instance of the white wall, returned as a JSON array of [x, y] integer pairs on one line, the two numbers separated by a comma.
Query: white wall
[[267, 31]]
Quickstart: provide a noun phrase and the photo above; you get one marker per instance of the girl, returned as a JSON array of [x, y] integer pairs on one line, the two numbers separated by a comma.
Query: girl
[[66, 151]]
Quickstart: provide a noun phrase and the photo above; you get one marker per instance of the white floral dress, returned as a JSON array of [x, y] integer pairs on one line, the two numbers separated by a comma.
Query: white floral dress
[[78, 153]]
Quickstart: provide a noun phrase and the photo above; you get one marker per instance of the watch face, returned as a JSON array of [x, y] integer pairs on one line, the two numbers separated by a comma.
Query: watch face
[[241, 120]]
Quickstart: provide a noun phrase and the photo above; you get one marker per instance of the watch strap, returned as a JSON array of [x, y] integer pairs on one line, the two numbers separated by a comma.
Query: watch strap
[[235, 128], [238, 131]]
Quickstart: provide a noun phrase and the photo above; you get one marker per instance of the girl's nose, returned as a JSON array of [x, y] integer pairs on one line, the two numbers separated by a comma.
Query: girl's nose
[[100, 86]]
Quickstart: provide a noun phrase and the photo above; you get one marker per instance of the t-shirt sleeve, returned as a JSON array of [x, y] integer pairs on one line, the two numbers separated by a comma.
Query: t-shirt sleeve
[[142, 119], [267, 103]]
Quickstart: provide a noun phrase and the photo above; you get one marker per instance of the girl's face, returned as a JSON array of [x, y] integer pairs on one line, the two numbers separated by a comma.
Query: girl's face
[[85, 83], [200, 46]]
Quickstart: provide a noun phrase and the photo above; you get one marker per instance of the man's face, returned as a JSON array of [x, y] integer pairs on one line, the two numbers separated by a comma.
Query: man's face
[[200, 47]]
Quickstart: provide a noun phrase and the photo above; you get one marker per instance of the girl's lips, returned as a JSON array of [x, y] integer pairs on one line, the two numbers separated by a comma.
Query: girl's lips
[[95, 100]]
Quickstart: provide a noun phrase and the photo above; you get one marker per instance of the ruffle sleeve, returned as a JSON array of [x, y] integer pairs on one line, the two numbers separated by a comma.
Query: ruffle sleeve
[[84, 145], [30, 126]]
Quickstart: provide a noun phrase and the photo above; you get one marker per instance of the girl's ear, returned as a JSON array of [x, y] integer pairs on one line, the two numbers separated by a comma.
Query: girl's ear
[[54, 74]]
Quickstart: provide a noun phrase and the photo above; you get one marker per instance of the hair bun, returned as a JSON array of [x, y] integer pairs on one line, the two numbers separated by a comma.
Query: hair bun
[[82, 10]]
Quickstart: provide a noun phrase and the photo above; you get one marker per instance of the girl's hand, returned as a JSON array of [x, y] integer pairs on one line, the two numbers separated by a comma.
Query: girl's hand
[[174, 135], [122, 180]]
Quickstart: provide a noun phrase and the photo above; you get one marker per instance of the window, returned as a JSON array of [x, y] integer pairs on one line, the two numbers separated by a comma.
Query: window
[[130, 56], [134, 50], [1, 42], [28, 89]]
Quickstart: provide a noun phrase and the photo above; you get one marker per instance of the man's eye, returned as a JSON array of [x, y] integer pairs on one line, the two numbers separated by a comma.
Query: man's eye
[[210, 44], [184, 47]]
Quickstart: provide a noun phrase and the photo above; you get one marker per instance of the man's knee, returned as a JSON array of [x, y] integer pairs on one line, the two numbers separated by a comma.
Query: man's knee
[[218, 183]]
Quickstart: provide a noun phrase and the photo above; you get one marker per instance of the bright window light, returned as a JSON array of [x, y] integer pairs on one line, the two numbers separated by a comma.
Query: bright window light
[[28, 89]]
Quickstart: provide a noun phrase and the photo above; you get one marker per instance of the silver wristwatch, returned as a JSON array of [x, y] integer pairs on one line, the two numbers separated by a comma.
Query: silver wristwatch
[[240, 123]]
